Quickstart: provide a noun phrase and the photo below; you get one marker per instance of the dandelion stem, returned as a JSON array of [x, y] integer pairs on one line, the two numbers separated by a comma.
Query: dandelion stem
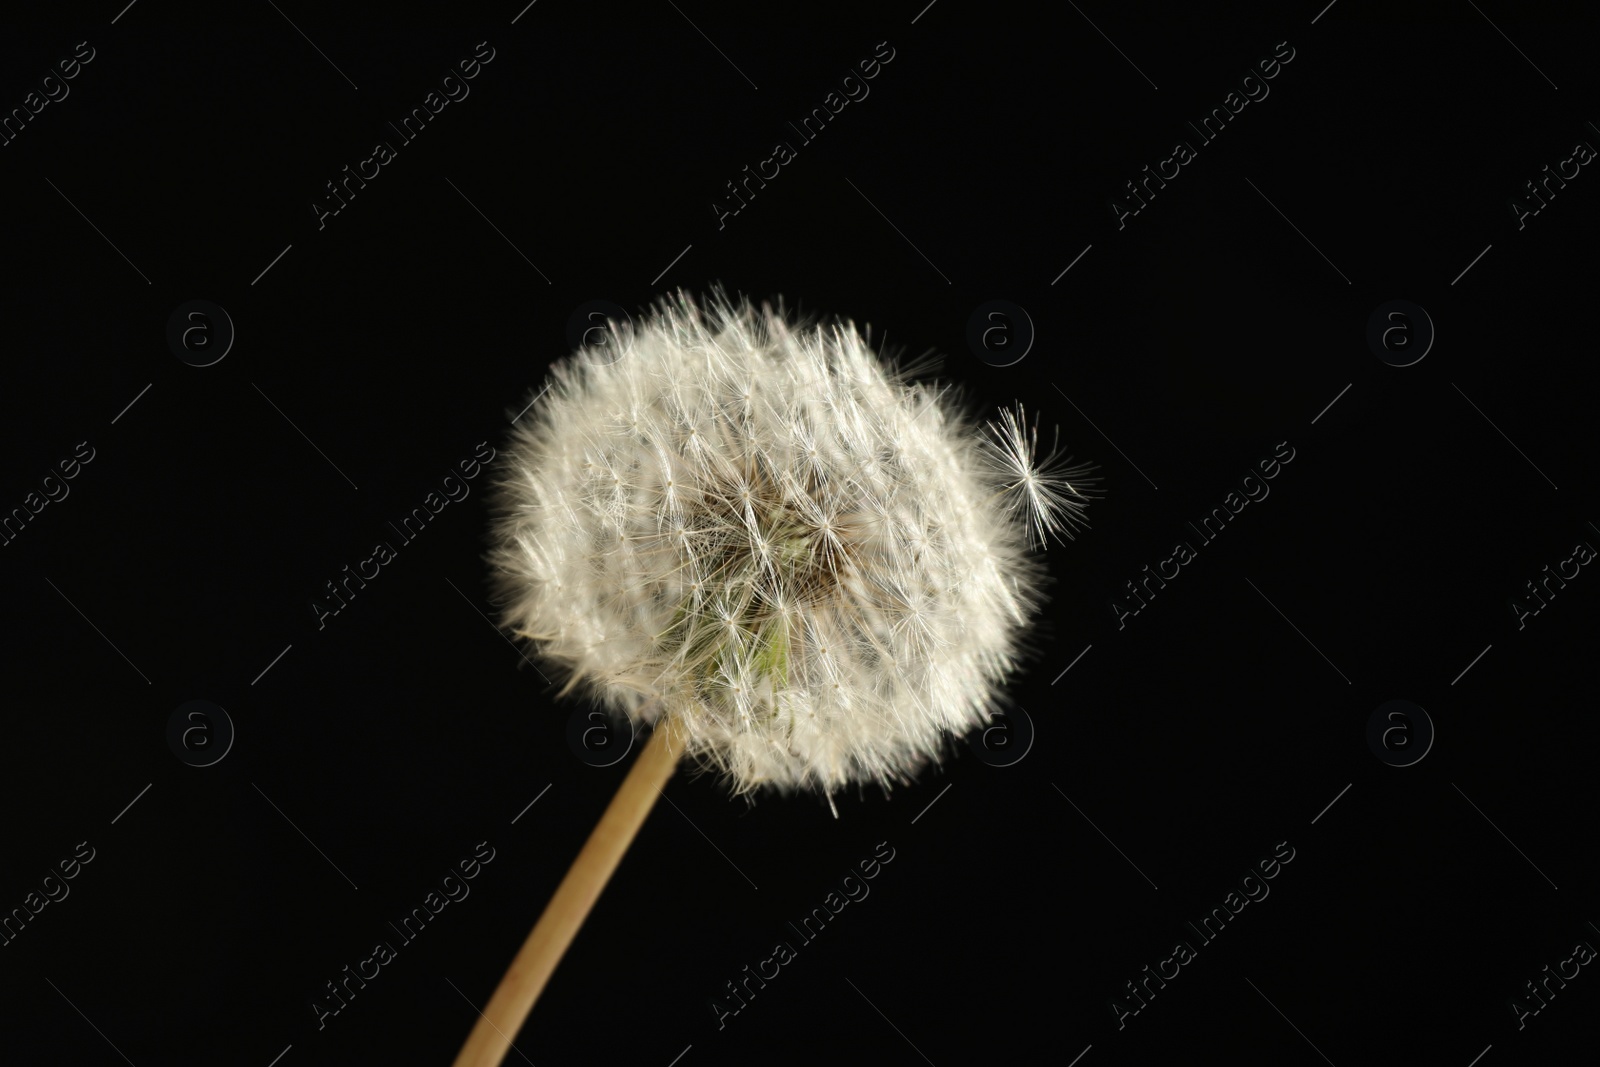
[[530, 970]]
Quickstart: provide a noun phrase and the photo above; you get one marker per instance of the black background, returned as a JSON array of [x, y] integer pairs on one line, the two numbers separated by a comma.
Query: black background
[[1222, 719]]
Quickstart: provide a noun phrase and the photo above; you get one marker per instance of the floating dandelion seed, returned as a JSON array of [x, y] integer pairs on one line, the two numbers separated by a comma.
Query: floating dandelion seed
[[1052, 492], [804, 568]]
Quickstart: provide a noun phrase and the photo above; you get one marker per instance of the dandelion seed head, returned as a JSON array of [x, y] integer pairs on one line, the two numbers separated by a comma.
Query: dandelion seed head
[[818, 566]]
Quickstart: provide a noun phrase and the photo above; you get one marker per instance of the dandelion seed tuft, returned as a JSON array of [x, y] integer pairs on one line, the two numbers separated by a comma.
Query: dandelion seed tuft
[[818, 566]]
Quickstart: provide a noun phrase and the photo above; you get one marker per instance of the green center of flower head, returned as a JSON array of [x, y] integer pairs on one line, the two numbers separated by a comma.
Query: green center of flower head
[[714, 631], [736, 626]]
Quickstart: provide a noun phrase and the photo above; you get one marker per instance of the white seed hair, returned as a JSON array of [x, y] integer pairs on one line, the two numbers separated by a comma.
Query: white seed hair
[[817, 566]]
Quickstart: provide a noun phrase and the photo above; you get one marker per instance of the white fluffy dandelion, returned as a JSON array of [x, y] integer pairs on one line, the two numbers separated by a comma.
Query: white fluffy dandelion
[[817, 567], [800, 566]]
